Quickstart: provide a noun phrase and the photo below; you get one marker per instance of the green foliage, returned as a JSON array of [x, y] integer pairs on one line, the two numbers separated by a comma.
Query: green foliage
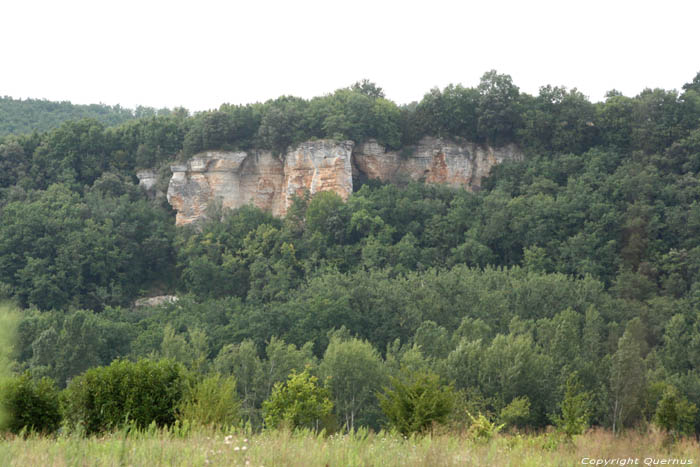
[[627, 380], [675, 414], [27, 115], [142, 393], [192, 352], [60, 249], [213, 401], [482, 429], [499, 116], [298, 403], [583, 258], [242, 361], [352, 371], [416, 401], [516, 413], [575, 411], [29, 404]]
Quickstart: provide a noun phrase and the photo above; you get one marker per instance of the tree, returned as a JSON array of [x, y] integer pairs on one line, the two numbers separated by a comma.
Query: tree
[[516, 413], [575, 411], [242, 361], [352, 371], [142, 392], [282, 123], [283, 359], [675, 414], [193, 353], [212, 402], [29, 404], [627, 381], [298, 403], [369, 89], [499, 116], [416, 401]]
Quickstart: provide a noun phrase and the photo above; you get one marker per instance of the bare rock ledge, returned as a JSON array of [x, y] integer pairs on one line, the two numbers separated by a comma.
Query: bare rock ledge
[[269, 182]]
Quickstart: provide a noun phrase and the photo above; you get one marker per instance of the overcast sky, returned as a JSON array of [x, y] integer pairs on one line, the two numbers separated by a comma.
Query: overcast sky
[[199, 54]]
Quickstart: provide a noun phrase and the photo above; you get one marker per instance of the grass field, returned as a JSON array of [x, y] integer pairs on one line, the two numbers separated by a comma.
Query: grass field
[[208, 447]]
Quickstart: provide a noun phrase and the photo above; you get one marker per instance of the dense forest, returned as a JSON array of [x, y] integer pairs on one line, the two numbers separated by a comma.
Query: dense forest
[[578, 267], [28, 115]]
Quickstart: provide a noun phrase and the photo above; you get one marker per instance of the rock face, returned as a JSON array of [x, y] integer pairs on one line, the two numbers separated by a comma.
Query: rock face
[[235, 179], [238, 178], [155, 301], [147, 178], [433, 160], [318, 166]]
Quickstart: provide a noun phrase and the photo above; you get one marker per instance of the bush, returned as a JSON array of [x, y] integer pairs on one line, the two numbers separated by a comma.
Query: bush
[[675, 414], [299, 403], [30, 404], [482, 429], [517, 413], [212, 401], [575, 411], [417, 402], [142, 392]]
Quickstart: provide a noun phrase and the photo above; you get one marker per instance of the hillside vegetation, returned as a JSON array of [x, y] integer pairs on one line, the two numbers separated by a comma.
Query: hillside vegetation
[[566, 291], [27, 115]]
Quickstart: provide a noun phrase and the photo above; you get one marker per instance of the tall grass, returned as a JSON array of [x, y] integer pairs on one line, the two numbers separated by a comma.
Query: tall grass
[[9, 318], [156, 447]]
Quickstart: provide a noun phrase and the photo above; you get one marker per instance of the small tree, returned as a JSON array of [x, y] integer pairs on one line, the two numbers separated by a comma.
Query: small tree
[[575, 411], [483, 429], [30, 404], [416, 401], [352, 371], [675, 414], [300, 402], [212, 401], [517, 412], [142, 392]]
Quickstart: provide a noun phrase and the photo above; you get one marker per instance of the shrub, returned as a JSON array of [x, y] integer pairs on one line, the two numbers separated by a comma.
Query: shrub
[[517, 413], [482, 429], [212, 401], [140, 392], [416, 402], [675, 414], [575, 411], [300, 402], [30, 404]]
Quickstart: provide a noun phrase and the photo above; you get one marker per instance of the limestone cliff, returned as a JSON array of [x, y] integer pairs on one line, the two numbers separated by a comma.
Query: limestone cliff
[[258, 177], [433, 160]]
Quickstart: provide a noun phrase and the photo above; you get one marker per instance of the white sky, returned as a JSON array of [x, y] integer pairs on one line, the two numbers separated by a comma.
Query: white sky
[[200, 53]]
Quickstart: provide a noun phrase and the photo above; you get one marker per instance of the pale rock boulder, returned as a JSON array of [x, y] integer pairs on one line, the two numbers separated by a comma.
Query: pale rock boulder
[[155, 301], [147, 178]]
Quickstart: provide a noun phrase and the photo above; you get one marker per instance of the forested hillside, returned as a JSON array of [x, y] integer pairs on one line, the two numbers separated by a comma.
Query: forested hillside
[[581, 263], [27, 115]]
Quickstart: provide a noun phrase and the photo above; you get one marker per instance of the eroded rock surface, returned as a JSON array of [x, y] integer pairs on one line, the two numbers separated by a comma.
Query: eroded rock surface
[[433, 160], [235, 179]]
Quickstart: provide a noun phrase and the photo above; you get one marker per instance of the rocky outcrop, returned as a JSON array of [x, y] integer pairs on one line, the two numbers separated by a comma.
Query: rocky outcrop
[[235, 179], [270, 182], [433, 160], [155, 301], [147, 179], [315, 166]]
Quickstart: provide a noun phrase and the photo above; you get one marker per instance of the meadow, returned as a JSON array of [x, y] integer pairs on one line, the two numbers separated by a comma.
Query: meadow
[[160, 447]]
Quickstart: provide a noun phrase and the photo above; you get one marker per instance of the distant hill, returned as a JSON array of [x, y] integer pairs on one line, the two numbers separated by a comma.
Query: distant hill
[[27, 115]]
